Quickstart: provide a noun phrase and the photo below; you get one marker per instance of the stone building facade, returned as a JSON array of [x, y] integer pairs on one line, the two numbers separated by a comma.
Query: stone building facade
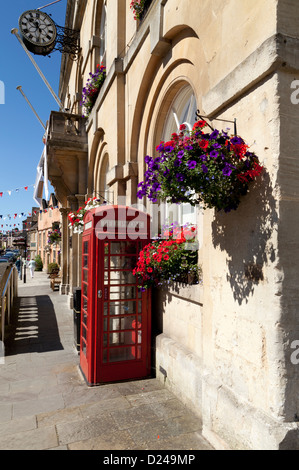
[[48, 219], [226, 347]]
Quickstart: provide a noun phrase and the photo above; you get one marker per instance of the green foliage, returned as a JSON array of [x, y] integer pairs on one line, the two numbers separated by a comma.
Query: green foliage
[[38, 263]]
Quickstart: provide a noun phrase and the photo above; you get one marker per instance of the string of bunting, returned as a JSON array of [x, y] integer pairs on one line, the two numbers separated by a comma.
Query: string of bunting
[[24, 214], [9, 191]]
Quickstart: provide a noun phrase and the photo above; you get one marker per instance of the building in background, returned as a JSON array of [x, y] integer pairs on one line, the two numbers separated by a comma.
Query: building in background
[[226, 347], [48, 243]]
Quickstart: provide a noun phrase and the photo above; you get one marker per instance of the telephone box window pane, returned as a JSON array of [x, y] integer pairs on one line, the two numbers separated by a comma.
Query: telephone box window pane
[[119, 339], [105, 339], [105, 356], [105, 308], [121, 354], [122, 277], [105, 324], [85, 289], [84, 333], [139, 306], [122, 262], [84, 318], [106, 277], [122, 292], [85, 247], [85, 303], [123, 248], [84, 348], [122, 323], [85, 275], [106, 262], [122, 308], [85, 261]]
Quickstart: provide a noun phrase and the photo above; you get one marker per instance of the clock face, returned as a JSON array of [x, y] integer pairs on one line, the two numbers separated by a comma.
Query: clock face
[[37, 28]]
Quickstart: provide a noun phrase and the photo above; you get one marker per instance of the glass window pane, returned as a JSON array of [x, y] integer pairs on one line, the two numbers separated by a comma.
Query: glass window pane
[[122, 277], [85, 303], [123, 262], [122, 292], [85, 261], [85, 275], [105, 308], [105, 355], [122, 323], [85, 247], [84, 333], [85, 289], [117, 248], [121, 354], [122, 308], [119, 339]]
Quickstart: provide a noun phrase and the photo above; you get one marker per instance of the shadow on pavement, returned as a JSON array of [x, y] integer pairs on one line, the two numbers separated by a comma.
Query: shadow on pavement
[[34, 326]]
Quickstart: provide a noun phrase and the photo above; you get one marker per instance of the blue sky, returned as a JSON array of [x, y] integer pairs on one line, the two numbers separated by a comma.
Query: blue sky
[[20, 132]]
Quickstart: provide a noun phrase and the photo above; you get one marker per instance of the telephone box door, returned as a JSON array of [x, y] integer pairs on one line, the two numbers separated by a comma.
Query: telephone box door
[[124, 314]]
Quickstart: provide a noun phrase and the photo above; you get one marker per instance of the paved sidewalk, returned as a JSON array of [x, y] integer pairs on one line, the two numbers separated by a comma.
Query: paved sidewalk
[[45, 403]]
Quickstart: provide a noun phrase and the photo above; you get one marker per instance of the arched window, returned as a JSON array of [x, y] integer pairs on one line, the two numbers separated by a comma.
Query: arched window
[[182, 111], [103, 34]]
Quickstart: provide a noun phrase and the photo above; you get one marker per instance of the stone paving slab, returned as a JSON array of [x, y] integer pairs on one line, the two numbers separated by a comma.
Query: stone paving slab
[[46, 405]]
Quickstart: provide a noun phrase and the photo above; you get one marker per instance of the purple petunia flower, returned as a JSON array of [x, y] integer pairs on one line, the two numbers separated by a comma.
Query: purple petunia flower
[[166, 172], [147, 159], [177, 162], [180, 177], [204, 168], [192, 164], [227, 170], [214, 154], [214, 134], [180, 154], [236, 140]]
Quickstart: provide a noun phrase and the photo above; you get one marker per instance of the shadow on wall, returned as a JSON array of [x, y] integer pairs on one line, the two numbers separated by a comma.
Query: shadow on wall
[[246, 235]]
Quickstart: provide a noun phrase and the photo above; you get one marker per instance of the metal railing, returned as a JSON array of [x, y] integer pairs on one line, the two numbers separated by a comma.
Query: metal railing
[[7, 295]]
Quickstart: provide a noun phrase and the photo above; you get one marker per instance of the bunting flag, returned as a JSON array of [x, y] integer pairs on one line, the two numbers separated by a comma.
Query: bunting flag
[[10, 191], [27, 214]]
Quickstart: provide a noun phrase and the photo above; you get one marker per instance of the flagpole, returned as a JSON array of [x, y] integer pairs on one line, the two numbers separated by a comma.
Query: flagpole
[[15, 32], [41, 8], [21, 91]]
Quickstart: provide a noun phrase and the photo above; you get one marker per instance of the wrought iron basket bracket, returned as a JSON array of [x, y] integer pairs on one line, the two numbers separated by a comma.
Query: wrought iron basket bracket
[[203, 118], [67, 41]]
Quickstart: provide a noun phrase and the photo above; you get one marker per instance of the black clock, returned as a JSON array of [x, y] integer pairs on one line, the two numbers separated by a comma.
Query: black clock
[[38, 32]]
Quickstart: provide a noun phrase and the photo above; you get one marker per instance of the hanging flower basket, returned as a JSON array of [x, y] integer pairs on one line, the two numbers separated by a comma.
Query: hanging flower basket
[[137, 6], [54, 237], [92, 88], [76, 218], [212, 169], [172, 257]]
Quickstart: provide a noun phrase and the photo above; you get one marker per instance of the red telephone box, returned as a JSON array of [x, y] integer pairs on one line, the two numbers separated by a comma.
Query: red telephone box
[[115, 342]]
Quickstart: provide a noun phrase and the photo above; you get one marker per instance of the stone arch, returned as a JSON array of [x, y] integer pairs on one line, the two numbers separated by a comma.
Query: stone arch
[[98, 141], [165, 83], [101, 188]]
